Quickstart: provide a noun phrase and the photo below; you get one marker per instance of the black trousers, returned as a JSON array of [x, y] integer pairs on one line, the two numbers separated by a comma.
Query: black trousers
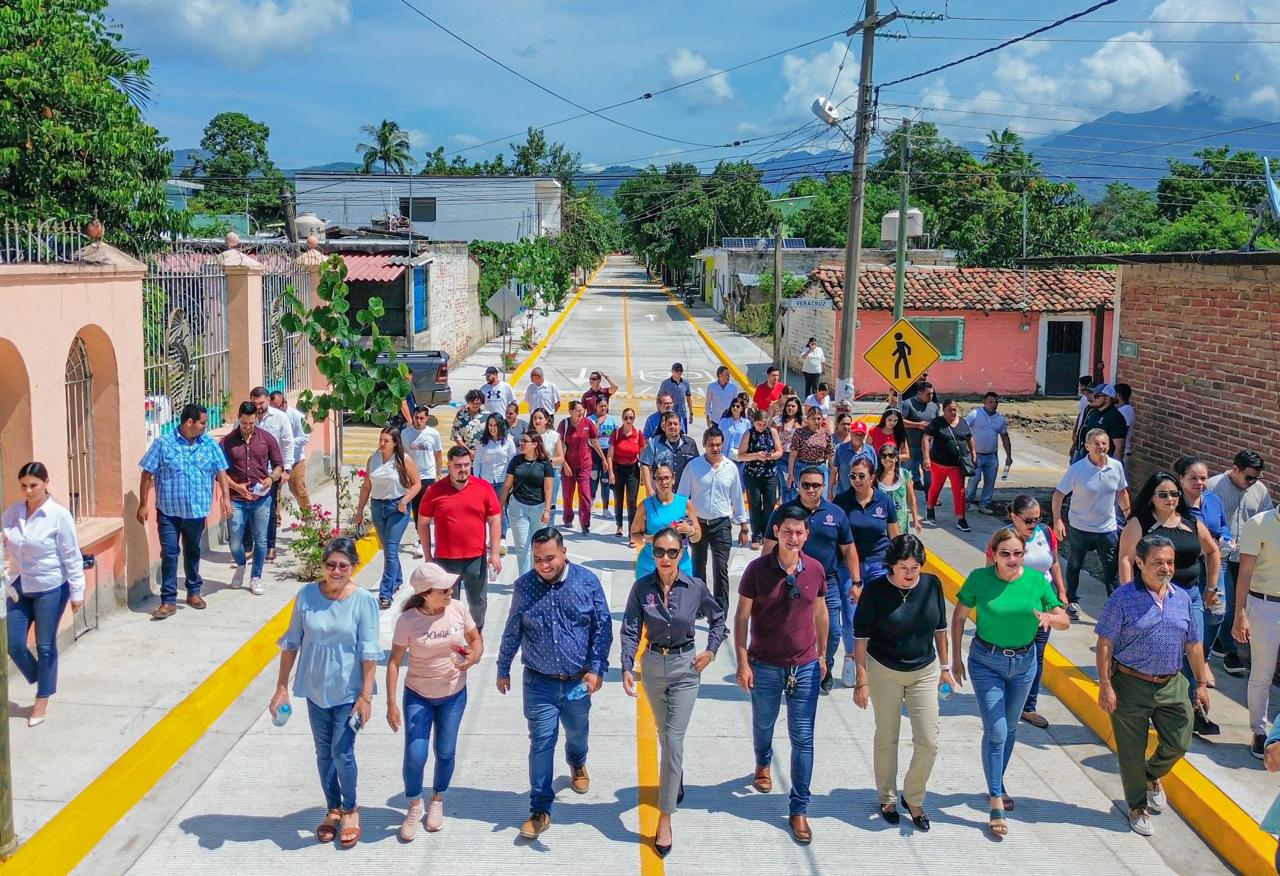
[[717, 537], [627, 483], [762, 495], [811, 382]]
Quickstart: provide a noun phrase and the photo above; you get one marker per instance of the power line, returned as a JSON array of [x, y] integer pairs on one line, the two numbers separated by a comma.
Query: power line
[[1101, 39], [1101, 20]]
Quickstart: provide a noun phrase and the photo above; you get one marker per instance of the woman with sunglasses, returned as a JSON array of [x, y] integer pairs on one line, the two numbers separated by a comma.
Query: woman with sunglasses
[[332, 639], [495, 450], [901, 655], [1042, 556], [1012, 603], [759, 452], [667, 604], [391, 480], [734, 424], [789, 418], [625, 447], [1160, 509], [540, 425], [443, 642], [1205, 506], [889, 431], [664, 509], [527, 495], [811, 447], [890, 478]]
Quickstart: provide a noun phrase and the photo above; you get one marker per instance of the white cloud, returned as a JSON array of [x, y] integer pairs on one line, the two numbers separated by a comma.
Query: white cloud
[[749, 129], [685, 64], [243, 33], [418, 139], [1130, 73], [464, 139], [812, 77]]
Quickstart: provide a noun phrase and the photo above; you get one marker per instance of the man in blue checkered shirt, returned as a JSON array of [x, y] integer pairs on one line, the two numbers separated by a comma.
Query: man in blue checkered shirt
[[183, 465]]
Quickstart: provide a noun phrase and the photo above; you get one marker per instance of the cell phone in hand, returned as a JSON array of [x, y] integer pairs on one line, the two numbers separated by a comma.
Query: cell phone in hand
[[354, 721]]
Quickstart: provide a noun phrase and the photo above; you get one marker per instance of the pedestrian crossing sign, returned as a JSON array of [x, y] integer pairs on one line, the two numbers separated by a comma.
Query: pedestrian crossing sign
[[902, 354]]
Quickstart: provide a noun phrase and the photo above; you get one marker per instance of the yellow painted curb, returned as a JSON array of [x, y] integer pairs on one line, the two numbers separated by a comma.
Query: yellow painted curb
[[1228, 829], [555, 327], [64, 841]]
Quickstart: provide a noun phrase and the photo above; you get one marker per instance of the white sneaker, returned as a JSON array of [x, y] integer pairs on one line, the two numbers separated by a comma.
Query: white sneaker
[[435, 815], [1140, 822], [1156, 799], [237, 576], [409, 827], [255, 586], [849, 677]]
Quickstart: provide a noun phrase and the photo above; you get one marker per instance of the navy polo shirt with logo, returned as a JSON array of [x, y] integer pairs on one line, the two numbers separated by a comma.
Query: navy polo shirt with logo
[[828, 531], [870, 524]]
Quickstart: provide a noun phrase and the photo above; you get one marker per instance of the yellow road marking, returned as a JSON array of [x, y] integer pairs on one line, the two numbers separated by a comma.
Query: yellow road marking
[[71, 834], [555, 327], [738, 373], [1218, 819]]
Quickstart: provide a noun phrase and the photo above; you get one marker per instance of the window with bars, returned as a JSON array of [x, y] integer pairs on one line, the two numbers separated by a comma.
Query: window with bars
[[944, 333]]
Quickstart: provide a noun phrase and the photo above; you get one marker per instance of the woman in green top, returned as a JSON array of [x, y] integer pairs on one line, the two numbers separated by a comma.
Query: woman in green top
[[1013, 603]]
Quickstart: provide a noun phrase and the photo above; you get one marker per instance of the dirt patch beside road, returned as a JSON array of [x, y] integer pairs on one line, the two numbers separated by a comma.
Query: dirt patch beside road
[[1046, 421]]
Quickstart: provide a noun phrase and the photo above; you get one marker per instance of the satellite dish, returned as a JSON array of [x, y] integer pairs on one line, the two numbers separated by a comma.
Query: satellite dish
[[826, 110], [1273, 191]]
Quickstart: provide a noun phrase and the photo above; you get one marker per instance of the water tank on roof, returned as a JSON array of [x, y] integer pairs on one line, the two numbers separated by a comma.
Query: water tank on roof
[[308, 224], [889, 225]]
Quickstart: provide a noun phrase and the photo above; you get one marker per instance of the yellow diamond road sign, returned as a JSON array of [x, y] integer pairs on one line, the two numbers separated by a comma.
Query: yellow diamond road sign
[[902, 355]]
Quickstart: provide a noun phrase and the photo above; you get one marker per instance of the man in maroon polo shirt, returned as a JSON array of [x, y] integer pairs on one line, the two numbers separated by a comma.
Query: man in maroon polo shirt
[[466, 513], [782, 595], [254, 465], [581, 438]]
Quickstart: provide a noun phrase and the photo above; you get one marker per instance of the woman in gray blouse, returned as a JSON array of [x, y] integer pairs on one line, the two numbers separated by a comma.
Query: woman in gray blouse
[[667, 604]]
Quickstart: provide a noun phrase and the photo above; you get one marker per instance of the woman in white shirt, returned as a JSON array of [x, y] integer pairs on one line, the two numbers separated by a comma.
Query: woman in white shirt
[[391, 480], [422, 443], [45, 571], [812, 359], [494, 451]]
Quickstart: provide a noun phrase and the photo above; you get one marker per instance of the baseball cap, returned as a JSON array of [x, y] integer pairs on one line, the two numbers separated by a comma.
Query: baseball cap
[[858, 426], [491, 370], [1105, 389], [430, 576], [677, 367]]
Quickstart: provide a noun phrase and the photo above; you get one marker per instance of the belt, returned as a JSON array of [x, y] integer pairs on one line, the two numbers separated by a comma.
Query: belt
[[1007, 652], [1142, 676], [1264, 596], [577, 676], [673, 649]]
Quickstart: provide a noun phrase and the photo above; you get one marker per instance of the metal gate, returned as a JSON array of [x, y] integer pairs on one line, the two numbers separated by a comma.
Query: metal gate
[[284, 355], [81, 469], [1063, 341]]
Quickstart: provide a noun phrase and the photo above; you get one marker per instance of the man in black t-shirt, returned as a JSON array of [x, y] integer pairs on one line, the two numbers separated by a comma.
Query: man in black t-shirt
[[917, 414], [1103, 414]]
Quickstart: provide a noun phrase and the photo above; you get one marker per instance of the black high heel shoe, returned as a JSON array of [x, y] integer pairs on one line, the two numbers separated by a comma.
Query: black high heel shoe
[[921, 821], [662, 851]]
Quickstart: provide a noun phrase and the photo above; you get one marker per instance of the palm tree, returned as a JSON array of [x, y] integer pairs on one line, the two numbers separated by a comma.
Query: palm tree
[[390, 145], [1001, 145]]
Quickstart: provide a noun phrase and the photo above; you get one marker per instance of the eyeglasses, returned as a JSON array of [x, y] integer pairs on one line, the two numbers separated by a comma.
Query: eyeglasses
[[1252, 479], [1030, 521], [663, 479], [1168, 494], [669, 553], [793, 588], [811, 485], [1010, 555], [859, 476], [337, 567]]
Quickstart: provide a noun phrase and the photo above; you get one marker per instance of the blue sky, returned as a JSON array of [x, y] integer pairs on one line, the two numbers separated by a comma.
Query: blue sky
[[316, 70]]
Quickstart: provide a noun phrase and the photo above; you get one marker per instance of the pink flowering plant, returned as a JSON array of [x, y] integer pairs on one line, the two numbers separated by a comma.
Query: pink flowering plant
[[314, 527]]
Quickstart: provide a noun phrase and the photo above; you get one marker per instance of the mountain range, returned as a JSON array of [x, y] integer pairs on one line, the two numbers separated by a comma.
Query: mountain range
[[1117, 147]]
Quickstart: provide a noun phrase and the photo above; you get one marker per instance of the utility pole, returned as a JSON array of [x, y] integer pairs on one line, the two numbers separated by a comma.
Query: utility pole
[[778, 355], [857, 192], [900, 276]]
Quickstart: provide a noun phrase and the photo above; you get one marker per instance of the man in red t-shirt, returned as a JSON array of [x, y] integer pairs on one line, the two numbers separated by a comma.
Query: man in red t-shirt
[[768, 392], [581, 439], [466, 513]]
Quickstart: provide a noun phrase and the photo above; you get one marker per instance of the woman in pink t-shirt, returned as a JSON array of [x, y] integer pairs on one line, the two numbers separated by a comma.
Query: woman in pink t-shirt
[[442, 641]]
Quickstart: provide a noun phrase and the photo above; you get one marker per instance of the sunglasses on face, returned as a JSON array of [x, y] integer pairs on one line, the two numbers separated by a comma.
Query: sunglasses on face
[[626, 419], [669, 553], [811, 485], [1252, 479], [1168, 494], [1010, 555], [793, 588], [1030, 521], [859, 476], [337, 567]]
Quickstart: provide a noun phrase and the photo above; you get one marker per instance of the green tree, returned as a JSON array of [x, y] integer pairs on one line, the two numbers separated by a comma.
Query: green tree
[[72, 141], [1216, 222], [1237, 177], [389, 144], [588, 233], [1125, 218], [826, 221], [1057, 224], [236, 169], [536, 157]]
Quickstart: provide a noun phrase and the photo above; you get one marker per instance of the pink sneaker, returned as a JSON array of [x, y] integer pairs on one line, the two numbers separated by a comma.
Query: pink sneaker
[[435, 815], [409, 827]]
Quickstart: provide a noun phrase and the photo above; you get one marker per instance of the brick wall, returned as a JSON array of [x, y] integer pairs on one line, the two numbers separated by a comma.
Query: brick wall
[[1204, 377], [455, 324]]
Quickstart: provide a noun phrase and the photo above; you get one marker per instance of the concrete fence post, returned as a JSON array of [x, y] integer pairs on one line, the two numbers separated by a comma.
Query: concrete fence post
[[245, 331]]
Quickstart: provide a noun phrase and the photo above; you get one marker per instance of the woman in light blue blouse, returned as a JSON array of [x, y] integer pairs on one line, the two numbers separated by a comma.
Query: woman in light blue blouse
[[735, 425], [333, 640]]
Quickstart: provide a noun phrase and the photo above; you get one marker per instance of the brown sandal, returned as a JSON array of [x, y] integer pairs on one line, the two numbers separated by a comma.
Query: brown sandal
[[326, 832], [350, 835]]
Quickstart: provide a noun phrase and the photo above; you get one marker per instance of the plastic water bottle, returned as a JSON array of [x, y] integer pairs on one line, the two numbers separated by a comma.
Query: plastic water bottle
[[577, 692], [946, 691], [460, 656], [282, 715]]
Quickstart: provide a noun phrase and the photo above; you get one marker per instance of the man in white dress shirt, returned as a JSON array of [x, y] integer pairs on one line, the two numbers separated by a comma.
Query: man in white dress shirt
[[713, 485], [277, 425], [720, 393], [298, 476]]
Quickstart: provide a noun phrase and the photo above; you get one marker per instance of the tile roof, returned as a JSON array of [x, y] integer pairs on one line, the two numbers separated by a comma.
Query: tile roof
[[985, 289], [371, 268]]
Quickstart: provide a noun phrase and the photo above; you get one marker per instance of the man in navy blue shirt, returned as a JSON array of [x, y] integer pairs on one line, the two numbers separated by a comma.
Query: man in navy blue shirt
[[560, 653], [831, 544]]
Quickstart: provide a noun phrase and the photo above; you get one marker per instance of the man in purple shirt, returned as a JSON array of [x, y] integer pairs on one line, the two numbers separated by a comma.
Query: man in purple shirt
[[782, 595], [254, 464], [1143, 632]]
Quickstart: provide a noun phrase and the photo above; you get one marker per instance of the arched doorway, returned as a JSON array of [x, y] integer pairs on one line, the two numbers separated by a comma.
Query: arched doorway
[[15, 415]]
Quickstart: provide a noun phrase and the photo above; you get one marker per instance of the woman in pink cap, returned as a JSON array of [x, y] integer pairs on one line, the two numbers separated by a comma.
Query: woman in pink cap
[[443, 642]]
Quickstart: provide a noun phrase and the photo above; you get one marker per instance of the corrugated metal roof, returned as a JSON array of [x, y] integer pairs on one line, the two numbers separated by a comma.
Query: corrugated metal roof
[[371, 268]]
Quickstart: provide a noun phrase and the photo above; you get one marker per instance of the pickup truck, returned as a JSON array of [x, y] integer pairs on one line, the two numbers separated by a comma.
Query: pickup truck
[[429, 373]]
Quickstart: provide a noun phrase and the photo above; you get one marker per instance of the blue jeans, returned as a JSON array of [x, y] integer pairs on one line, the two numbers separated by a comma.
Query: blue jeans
[[390, 522], [1042, 641], [555, 487], [915, 467], [525, 521], [840, 608], [421, 716], [1230, 569], [987, 466], [335, 753], [179, 534], [545, 708], [497, 488], [785, 492], [42, 610], [802, 708], [1000, 684], [1107, 546], [249, 534], [255, 513], [1198, 616]]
